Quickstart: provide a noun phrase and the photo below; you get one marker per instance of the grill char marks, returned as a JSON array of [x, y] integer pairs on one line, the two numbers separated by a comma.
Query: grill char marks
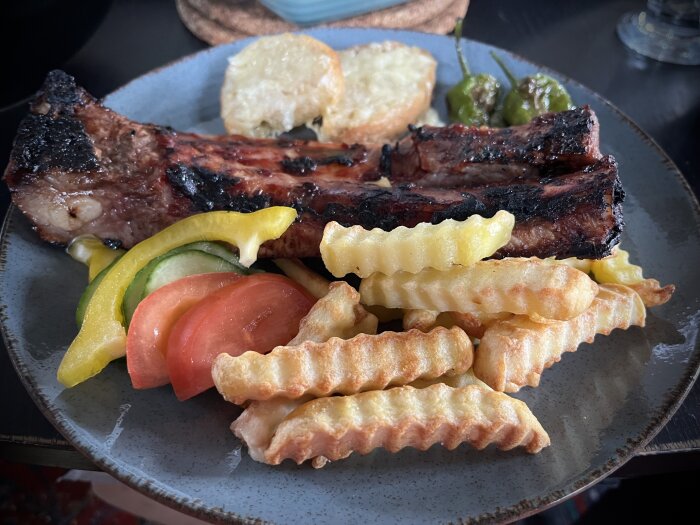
[[44, 143], [78, 167], [226, 154], [59, 95], [207, 190], [579, 215], [574, 215], [50, 137], [461, 156]]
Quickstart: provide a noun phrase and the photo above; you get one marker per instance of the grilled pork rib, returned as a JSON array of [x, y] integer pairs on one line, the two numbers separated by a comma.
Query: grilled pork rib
[[77, 167], [461, 156]]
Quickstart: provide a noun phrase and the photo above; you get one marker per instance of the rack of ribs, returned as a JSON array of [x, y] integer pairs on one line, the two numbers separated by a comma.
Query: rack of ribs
[[77, 167]]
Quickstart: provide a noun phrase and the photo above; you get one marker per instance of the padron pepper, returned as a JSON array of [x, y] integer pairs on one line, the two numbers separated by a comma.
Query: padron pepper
[[531, 96], [474, 98], [102, 337]]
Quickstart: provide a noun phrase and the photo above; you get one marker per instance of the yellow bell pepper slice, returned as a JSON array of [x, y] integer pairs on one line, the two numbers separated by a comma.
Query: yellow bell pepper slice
[[102, 337], [92, 252]]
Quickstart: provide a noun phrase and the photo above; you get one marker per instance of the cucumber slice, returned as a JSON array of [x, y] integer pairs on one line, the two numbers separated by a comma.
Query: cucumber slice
[[89, 291], [167, 268], [217, 249], [136, 290], [183, 264], [134, 293]]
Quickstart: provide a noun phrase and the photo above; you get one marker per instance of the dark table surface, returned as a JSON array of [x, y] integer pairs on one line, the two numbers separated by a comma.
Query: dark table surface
[[575, 38]]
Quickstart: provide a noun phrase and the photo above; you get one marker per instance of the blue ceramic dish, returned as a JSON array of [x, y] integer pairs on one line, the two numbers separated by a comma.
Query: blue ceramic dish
[[599, 404], [310, 12]]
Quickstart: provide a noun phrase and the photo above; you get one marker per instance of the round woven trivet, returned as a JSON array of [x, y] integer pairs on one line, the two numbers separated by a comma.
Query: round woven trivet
[[245, 16], [445, 22], [249, 16], [219, 21], [203, 28]]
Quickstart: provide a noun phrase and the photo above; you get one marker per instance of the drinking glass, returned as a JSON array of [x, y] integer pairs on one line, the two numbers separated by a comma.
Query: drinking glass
[[667, 30]]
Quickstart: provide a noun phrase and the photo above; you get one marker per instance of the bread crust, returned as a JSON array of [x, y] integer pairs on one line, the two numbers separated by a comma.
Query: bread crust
[[382, 75], [279, 82]]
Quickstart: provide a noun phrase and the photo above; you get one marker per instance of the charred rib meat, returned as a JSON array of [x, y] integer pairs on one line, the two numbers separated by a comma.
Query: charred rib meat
[[461, 156], [78, 167]]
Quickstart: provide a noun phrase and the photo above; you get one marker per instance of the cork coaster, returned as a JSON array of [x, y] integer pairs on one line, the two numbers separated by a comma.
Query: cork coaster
[[244, 16], [444, 23], [219, 21], [403, 16], [203, 28]]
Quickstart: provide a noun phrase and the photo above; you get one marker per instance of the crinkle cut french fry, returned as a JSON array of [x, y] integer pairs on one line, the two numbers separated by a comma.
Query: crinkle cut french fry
[[474, 324], [362, 252], [337, 314], [258, 422], [365, 362], [298, 272], [456, 381], [652, 293], [617, 269], [580, 264], [519, 286], [335, 427], [423, 320], [256, 426], [513, 353]]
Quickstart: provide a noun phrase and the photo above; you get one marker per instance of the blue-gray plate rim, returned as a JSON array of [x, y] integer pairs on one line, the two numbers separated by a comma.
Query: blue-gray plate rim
[[600, 404]]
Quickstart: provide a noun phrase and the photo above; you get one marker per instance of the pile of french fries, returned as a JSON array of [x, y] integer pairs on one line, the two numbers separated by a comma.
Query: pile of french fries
[[474, 330]]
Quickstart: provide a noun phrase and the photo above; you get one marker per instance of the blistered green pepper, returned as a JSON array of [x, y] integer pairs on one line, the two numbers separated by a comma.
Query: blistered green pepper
[[531, 96], [474, 98]]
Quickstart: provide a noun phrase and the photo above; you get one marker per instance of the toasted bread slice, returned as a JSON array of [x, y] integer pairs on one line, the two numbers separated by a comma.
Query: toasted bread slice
[[387, 87], [279, 82]]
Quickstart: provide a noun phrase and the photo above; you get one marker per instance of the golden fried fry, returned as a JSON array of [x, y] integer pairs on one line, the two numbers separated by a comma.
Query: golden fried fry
[[474, 324], [298, 272], [338, 314], [513, 353], [423, 320], [455, 381], [652, 293], [258, 422], [618, 270], [356, 250], [580, 264], [365, 362], [335, 427], [520, 286]]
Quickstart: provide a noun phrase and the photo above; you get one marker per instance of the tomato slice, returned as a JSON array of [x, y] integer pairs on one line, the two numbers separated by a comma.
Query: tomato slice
[[153, 319], [257, 312]]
